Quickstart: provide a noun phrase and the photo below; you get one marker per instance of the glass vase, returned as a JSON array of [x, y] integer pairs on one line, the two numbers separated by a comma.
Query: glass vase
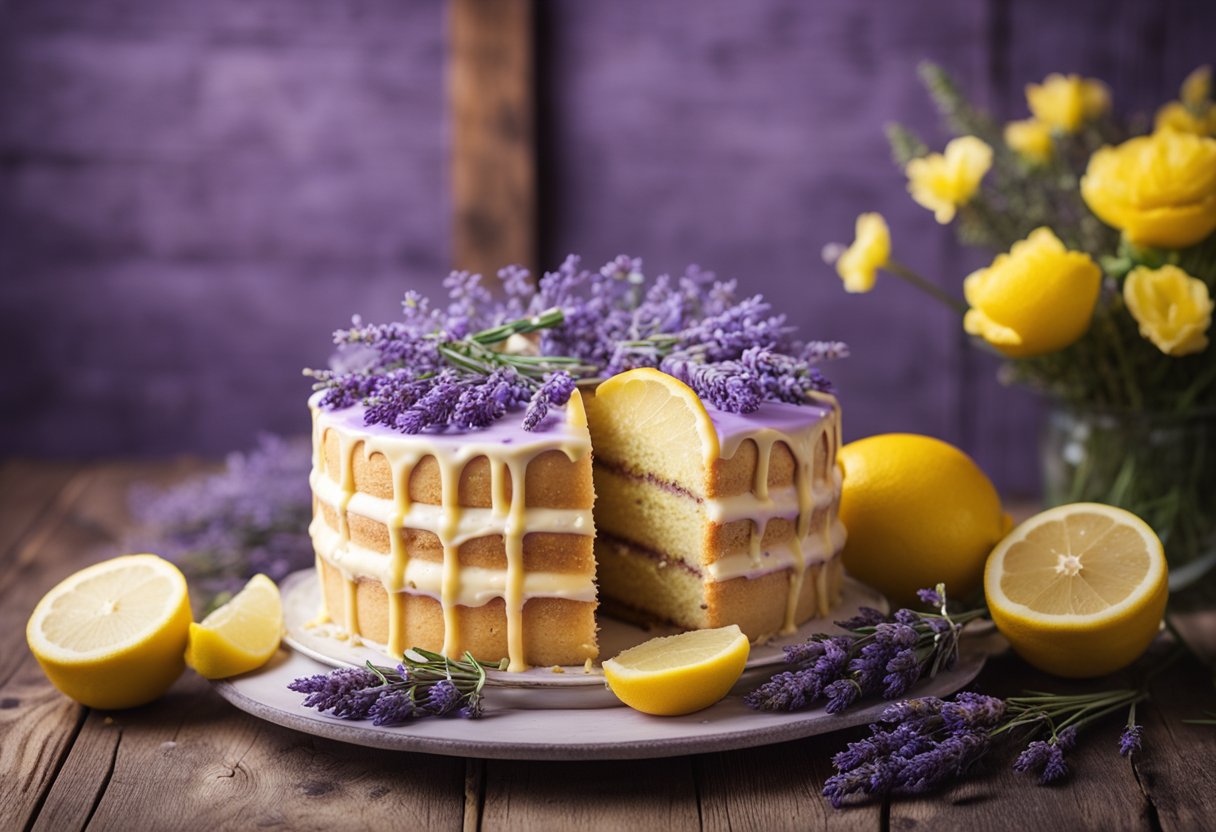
[[1159, 466]]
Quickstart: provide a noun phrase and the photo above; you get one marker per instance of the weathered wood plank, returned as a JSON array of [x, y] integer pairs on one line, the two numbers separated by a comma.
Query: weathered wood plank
[[1100, 793], [1174, 769], [27, 490], [610, 795], [777, 787], [493, 141], [191, 761]]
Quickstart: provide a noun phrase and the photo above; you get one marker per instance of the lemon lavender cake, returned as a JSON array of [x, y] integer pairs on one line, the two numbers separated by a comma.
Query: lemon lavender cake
[[455, 506]]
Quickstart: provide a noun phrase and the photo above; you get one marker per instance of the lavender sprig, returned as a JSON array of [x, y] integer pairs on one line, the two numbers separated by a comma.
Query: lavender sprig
[[878, 655], [472, 362], [424, 684], [919, 744]]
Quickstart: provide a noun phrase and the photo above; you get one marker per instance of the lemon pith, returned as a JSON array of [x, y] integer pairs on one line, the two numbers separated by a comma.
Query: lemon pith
[[111, 635], [1078, 590], [681, 674], [241, 635]]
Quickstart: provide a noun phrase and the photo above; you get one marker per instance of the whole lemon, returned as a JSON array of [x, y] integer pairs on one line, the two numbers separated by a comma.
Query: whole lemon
[[918, 511]]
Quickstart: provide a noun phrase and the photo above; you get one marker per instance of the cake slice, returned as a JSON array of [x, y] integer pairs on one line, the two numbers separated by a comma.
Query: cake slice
[[707, 518], [455, 540]]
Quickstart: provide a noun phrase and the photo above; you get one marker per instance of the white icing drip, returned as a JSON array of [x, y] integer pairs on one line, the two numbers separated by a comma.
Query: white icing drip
[[472, 523], [507, 449], [814, 550], [478, 585]]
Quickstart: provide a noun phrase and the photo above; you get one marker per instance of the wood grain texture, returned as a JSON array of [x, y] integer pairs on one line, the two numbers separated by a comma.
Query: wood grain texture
[[493, 134], [611, 795], [36, 722], [777, 788], [217, 768], [1175, 768]]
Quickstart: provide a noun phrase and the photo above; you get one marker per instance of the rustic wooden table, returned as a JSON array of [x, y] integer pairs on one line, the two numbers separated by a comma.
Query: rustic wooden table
[[192, 761]]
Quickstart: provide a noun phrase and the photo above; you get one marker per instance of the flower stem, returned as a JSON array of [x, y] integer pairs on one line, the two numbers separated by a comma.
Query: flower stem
[[904, 273]]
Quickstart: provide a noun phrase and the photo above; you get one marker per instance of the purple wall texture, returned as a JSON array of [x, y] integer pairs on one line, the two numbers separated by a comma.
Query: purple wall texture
[[193, 194]]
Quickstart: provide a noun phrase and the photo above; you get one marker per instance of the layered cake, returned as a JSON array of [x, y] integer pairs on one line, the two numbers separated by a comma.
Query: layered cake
[[740, 529], [455, 541], [457, 506]]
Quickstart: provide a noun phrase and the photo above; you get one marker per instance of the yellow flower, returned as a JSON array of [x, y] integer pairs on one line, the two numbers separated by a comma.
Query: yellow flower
[[943, 182], [1197, 88], [1194, 113], [1160, 190], [869, 252], [1177, 116], [1030, 139], [1174, 310], [1036, 299], [1065, 102]]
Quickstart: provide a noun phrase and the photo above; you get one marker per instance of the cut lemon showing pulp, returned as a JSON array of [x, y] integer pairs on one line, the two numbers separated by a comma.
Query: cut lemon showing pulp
[[655, 415], [112, 635], [241, 635], [1078, 590], [679, 674]]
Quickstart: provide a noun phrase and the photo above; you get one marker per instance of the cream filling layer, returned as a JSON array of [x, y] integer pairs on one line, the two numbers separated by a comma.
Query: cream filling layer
[[813, 549], [477, 585], [784, 502], [471, 523]]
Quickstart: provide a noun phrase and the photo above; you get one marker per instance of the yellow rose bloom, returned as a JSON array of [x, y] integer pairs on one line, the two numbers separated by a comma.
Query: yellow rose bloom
[[1197, 88], [942, 182], [1173, 309], [1177, 116], [1065, 102], [1038, 298], [869, 252], [1030, 139], [1159, 190]]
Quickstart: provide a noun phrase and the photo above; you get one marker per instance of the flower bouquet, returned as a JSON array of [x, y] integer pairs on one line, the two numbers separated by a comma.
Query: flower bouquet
[[1100, 294]]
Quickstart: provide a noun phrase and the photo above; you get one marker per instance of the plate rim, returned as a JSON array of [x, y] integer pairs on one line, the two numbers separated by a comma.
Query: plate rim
[[399, 738]]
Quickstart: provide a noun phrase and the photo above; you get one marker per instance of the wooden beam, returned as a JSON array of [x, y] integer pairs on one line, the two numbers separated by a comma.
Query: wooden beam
[[494, 134]]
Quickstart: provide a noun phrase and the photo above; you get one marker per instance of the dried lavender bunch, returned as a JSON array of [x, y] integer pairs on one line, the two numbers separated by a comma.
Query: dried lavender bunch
[[919, 744], [424, 684], [224, 528], [479, 358], [879, 655]]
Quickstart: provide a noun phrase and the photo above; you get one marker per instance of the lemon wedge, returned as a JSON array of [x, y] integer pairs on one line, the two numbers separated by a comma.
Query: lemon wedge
[[112, 635], [1078, 590], [674, 675], [241, 635], [656, 420]]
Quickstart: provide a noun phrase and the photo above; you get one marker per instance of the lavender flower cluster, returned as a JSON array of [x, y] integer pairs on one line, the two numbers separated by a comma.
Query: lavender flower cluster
[[424, 684], [475, 360], [223, 528], [916, 746], [878, 655], [919, 744]]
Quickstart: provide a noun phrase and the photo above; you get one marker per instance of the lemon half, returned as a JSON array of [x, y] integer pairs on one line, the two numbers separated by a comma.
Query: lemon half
[[680, 674], [1078, 590], [112, 635]]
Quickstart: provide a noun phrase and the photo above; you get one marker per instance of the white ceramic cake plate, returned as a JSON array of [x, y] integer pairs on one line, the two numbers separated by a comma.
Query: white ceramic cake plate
[[568, 733], [517, 727], [540, 687]]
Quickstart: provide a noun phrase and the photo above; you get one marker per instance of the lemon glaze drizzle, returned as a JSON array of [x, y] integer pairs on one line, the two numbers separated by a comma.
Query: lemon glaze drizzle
[[802, 441], [508, 467]]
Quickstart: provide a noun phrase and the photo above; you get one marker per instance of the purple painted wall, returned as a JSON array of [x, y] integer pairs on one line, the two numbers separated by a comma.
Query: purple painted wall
[[193, 194]]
